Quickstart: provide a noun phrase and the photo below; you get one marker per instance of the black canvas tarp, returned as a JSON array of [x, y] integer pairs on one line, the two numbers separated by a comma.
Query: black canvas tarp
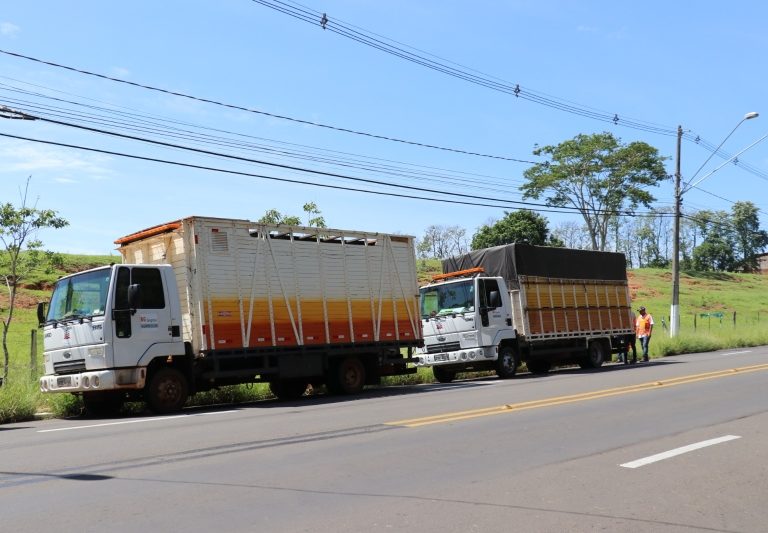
[[512, 260]]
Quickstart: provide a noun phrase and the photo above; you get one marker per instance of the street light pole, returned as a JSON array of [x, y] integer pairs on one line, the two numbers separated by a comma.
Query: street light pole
[[674, 314]]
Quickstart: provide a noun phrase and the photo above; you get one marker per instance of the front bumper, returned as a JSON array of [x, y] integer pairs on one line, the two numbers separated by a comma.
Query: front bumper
[[464, 355], [97, 380]]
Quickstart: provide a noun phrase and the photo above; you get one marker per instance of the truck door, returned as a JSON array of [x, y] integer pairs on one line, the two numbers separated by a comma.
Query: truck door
[[136, 329], [494, 310]]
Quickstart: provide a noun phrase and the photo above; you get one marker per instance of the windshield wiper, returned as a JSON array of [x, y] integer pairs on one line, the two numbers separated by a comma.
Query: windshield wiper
[[77, 316]]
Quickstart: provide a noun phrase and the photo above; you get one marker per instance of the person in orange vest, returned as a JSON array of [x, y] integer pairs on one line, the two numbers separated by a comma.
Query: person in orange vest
[[643, 330]]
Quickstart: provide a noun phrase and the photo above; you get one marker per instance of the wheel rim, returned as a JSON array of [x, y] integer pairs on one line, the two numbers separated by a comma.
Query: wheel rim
[[168, 391], [351, 377], [507, 361]]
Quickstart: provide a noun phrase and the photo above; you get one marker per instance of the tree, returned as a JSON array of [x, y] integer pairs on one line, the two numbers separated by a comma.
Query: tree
[[599, 176], [650, 239], [440, 242], [273, 216], [716, 251], [749, 239], [313, 215], [729, 241], [571, 234], [516, 226], [21, 251]]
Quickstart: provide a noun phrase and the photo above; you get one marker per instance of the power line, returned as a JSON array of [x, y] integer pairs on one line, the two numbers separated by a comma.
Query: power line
[[450, 68], [264, 176], [265, 113], [135, 119], [156, 126], [386, 45], [535, 207], [283, 166]]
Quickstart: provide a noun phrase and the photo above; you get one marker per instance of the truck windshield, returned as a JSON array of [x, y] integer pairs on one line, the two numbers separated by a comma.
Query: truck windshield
[[83, 295], [448, 298]]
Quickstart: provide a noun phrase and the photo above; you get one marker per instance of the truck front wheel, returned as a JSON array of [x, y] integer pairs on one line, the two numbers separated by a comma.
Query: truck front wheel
[[443, 375], [167, 391], [106, 403], [506, 365]]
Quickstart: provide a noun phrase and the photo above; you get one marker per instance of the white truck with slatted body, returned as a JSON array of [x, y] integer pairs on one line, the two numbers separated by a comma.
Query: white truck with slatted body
[[497, 308], [203, 302]]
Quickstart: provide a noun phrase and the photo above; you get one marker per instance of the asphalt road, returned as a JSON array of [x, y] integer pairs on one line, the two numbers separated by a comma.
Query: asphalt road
[[677, 445]]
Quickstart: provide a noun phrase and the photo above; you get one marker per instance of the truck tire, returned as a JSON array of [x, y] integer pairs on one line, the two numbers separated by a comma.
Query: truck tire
[[166, 391], [443, 375], [347, 377], [107, 403], [288, 389], [506, 365], [538, 366], [595, 355]]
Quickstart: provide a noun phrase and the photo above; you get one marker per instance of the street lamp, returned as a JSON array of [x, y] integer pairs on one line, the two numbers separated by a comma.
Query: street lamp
[[674, 315]]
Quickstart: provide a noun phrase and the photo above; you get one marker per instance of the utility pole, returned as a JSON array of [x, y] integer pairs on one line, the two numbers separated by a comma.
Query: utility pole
[[674, 315]]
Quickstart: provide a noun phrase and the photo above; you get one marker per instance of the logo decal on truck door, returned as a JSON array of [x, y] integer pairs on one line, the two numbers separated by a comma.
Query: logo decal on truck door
[[148, 320]]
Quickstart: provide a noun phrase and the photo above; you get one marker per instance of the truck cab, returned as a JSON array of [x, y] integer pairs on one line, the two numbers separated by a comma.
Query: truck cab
[[467, 325], [104, 327]]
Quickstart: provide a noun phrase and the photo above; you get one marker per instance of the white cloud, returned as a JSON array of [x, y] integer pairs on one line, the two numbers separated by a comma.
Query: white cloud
[[9, 30], [26, 158], [121, 72], [586, 29]]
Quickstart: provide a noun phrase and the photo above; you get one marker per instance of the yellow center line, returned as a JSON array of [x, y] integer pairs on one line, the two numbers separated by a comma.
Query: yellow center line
[[559, 400]]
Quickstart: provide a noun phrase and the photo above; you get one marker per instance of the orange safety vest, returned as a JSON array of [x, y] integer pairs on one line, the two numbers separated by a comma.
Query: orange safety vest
[[643, 325]]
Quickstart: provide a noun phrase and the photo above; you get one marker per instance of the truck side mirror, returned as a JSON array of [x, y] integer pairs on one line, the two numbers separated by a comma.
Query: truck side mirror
[[494, 300], [41, 313], [134, 297]]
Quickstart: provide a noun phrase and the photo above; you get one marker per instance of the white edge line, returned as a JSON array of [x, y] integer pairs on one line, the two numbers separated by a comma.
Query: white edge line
[[737, 353], [678, 451], [137, 421]]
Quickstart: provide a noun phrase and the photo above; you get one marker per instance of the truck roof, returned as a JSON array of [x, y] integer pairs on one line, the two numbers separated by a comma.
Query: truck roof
[[512, 260], [276, 230]]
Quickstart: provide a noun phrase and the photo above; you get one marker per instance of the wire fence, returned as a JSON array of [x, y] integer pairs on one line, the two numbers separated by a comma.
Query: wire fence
[[718, 320]]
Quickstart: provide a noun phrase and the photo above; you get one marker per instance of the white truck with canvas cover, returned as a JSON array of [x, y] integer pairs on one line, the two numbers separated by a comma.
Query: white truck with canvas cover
[[497, 308]]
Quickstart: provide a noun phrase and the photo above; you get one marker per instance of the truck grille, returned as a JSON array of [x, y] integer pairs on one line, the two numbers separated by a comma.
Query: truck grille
[[69, 367], [444, 347]]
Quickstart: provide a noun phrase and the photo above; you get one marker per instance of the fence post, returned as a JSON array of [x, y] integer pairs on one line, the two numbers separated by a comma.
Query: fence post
[[694, 322], [734, 319], [33, 354]]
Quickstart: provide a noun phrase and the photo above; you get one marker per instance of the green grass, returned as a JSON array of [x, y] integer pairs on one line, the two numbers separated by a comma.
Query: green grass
[[746, 295]]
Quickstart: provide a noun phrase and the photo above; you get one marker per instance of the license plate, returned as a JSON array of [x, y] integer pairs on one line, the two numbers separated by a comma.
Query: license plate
[[64, 382], [441, 357]]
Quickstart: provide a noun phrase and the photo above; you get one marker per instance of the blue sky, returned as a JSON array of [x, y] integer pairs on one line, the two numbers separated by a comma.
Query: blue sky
[[659, 63]]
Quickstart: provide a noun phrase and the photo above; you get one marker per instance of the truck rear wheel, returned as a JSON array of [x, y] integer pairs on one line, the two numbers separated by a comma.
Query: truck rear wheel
[[166, 391], [595, 355], [506, 365], [347, 377], [288, 389], [107, 403], [443, 375]]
